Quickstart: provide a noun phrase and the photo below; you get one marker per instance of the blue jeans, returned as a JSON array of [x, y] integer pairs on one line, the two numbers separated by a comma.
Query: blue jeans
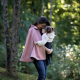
[[41, 68]]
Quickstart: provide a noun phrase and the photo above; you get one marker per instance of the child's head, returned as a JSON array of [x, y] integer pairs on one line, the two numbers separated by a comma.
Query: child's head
[[48, 29]]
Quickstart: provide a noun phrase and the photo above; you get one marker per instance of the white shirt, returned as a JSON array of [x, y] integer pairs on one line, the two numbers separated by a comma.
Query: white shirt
[[46, 37]]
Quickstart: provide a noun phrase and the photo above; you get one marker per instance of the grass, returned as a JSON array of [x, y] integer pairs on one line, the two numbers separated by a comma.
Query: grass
[[21, 76]]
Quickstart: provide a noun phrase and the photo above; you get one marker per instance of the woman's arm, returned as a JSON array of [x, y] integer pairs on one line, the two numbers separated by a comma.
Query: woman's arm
[[49, 51]]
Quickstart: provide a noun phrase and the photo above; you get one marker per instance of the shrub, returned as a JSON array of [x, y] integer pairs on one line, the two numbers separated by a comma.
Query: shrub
[[65, 63]]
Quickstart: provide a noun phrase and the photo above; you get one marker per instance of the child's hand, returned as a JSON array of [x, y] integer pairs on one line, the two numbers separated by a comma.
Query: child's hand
[[35, 43]]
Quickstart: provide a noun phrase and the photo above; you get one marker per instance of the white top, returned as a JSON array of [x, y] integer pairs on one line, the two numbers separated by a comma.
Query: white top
[[46, 37]]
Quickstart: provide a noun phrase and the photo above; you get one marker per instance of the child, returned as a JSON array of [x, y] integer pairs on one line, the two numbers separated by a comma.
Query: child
[[48, 36]]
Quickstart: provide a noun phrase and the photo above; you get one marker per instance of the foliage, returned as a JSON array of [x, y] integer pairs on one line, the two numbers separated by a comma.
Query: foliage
[[21, 76], [65, 18], [65, 63], [25, 67], [26, 20], [67, 22]]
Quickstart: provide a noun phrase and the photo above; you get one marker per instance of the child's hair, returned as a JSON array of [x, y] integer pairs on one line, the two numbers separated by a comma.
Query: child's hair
[[49, 29]]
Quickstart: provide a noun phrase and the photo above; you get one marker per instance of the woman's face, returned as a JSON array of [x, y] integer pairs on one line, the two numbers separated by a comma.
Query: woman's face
[[41, 26]]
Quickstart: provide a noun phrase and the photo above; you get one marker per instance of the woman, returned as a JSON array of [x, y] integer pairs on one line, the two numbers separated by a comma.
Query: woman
[[34, 52]]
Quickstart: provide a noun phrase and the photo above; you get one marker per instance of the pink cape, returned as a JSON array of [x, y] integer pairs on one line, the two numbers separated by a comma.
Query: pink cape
[[32, 50]]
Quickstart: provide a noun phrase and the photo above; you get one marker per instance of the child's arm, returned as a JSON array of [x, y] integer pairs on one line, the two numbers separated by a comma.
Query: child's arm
[[43, 41], [40, 43]]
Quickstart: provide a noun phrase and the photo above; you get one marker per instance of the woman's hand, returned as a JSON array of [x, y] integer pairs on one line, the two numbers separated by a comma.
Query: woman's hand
[[35, 43], [49, 51]]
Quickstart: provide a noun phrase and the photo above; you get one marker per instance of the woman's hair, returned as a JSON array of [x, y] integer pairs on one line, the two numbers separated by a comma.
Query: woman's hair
[[42, 20], [48, 29]]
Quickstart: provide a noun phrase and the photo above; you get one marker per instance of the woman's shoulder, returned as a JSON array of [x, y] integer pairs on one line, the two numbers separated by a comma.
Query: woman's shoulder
[[33, 31], [34, 27]]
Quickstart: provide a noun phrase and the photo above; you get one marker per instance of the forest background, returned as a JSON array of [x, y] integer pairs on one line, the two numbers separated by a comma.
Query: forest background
[[64, 16]]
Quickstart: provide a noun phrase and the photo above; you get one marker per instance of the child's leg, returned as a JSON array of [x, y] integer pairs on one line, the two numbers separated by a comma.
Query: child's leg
[[48, 50]]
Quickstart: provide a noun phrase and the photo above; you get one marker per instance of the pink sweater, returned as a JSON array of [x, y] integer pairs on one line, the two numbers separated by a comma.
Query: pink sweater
[[32, 50]]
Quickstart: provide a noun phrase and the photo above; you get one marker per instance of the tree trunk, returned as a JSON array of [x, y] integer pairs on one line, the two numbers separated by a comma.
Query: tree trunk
[[1, 2], [6, 32], [51, 12], [42, 7], [34, 9], [15, 37]]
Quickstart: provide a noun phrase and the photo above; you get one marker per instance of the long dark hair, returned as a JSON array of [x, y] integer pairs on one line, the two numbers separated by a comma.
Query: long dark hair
[[42, 20]]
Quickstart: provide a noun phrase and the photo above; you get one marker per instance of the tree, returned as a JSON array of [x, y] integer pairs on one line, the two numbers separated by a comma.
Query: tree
[[11, 46], [6, 32], [15, 36], [42, 7], [51, 12]]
